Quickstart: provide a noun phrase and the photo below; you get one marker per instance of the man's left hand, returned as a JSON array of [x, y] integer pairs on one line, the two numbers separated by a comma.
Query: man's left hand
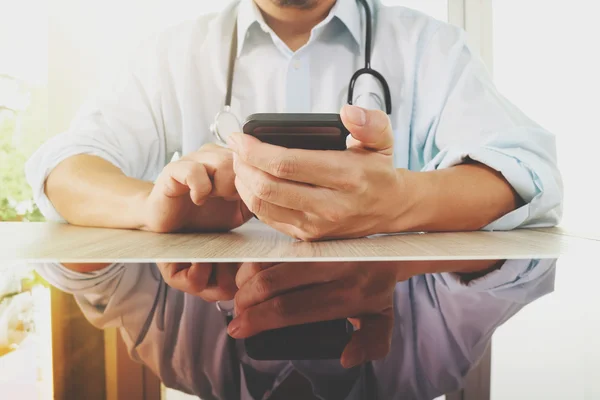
[[279, 295], [314, 194]]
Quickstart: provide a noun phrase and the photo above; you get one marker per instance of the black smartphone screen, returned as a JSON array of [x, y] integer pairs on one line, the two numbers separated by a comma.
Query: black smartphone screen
[[299, 131], [316, 341]]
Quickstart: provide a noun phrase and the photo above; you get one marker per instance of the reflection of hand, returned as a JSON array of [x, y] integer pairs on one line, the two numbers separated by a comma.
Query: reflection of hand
[[211, 282], [311, 194], [280, 295], [196, 193]]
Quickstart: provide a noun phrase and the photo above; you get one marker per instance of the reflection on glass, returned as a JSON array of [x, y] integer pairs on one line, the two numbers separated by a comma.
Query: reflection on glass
[[25, 341], [442, 328], [551, 349], [546, 61]]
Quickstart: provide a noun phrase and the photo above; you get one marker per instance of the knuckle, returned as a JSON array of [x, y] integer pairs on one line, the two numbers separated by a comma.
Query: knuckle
[[225, 162], [350, 183], [256, 205], [362, 184], [284, 166], [209, 147], [312, 232], [264, 189], [346, 296], [363, 275], [334, 215], [280, 306], [264, 284], [195, 286], [193, 169]]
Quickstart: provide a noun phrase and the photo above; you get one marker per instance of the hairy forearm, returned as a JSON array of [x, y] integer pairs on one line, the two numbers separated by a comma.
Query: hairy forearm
[[462, 198], [89, 191]]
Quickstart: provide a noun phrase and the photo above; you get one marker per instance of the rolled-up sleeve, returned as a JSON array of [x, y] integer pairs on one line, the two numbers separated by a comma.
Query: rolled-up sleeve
[[121, 125], [442, 333], [459, 114], [118, 296], [506, 282]]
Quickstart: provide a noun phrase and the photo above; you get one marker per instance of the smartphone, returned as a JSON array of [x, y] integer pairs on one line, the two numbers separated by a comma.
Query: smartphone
[[321, 340], [316, 341], [298, 131]]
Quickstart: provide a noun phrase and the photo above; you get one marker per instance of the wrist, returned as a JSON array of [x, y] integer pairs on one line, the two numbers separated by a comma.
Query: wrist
[[414, 202], [138, 205]]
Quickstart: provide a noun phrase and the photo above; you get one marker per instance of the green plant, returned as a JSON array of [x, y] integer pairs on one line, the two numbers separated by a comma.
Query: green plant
[[15, 193], [27, 281]]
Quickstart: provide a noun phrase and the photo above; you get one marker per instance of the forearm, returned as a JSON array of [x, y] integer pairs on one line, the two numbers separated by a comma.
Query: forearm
[[462, 198], [89, 191]]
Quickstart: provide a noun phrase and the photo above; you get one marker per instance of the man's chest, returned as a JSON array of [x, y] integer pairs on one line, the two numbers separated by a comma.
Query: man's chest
[[312, 80]]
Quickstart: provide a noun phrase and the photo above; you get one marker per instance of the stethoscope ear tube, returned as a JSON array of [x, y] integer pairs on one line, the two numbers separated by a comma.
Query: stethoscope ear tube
[[219, 126]]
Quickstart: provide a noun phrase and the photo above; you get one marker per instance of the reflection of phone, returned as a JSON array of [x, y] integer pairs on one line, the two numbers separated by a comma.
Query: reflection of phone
[[317, 341], [299, 131], [321, 340]]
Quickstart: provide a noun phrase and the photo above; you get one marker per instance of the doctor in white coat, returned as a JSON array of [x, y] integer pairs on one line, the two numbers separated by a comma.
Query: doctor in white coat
[[451, 154]]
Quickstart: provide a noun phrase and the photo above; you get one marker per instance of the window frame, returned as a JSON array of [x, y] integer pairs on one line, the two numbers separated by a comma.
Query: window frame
[[476, 18]]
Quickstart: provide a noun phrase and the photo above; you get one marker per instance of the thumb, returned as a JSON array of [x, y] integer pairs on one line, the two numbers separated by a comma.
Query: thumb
[[370, 129], [372, 341]]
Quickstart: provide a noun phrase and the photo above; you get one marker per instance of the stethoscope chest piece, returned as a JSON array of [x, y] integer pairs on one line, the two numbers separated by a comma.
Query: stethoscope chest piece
[[224, 124]]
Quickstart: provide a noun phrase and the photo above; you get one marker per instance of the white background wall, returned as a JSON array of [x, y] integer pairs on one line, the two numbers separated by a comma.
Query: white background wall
[[88, 39]]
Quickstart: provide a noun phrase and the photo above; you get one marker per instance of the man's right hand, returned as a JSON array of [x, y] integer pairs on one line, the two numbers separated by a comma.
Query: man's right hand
[[196, 193]]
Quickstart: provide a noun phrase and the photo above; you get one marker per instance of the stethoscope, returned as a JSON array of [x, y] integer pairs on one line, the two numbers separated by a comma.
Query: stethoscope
[[226, 122]]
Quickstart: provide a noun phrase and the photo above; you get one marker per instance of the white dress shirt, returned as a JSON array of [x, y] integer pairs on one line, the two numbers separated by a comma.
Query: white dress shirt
[[445, 108]]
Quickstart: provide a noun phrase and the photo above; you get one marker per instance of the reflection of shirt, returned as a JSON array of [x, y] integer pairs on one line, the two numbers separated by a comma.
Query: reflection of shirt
[[441, 330]]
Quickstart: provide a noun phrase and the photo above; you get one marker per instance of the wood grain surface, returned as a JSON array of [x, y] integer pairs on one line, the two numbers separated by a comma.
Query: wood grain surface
[[53, 242]]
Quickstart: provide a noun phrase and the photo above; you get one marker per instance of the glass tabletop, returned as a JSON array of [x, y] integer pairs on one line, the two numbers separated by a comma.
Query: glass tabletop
[[548, 349]]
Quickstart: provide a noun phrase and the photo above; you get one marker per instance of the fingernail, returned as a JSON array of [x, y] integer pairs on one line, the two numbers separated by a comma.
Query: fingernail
[[356, 115], [233, 328]]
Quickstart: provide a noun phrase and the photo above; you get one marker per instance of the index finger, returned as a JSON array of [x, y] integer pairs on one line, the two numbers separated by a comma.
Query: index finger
[[248, 270], [190, 278], [316, 167], [218, 162]]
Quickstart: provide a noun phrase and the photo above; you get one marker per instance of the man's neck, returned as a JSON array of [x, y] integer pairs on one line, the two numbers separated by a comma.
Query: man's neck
[[293, 25]]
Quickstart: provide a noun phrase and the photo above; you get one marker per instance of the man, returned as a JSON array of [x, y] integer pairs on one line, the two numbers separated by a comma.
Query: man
[[452, 155]]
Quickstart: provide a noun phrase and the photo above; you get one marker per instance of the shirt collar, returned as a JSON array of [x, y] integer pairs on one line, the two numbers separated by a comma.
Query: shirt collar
[[248, 15], [349, 12]]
